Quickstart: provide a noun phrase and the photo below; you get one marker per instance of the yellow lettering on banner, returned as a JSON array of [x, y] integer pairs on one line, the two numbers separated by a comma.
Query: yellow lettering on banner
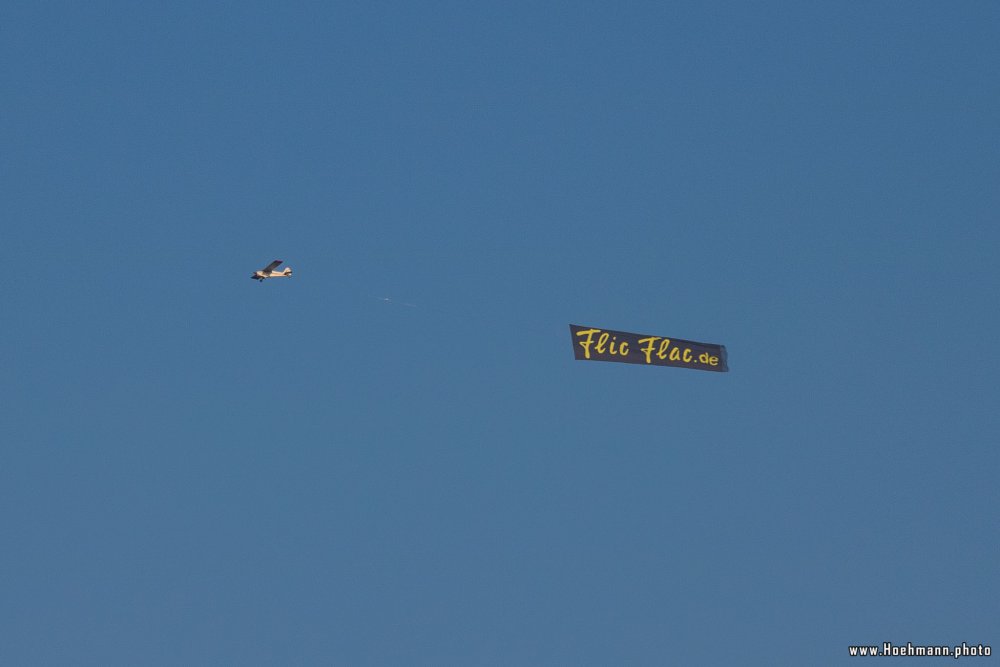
[[709, 359], [623, 349], [675, 354], [662, 352], [585, 344], [648, 347], [687, 355], [602, 341]]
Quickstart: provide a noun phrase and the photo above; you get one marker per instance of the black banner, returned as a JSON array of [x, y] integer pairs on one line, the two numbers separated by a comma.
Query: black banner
[[593, 344]]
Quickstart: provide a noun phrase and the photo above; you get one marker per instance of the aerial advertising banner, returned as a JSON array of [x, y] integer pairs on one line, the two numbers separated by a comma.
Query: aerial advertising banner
[[593, 344]]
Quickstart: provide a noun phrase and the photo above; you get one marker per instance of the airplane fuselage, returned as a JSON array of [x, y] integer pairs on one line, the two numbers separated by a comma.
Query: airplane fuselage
[[261, 275]]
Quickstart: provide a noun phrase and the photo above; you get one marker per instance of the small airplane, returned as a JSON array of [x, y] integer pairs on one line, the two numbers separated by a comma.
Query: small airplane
[[269, 272]]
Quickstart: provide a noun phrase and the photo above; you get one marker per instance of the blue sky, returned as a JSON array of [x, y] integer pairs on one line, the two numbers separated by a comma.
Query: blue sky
[[197, 469]]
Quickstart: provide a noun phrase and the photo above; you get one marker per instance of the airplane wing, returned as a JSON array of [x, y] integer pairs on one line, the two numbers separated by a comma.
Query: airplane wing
[[272, 266]]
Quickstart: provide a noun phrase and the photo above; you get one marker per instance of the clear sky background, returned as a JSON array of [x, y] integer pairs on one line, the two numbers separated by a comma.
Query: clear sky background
[[197, 469]]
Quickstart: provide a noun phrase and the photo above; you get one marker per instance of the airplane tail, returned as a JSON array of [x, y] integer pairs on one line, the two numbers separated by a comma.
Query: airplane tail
[[287, 271]]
